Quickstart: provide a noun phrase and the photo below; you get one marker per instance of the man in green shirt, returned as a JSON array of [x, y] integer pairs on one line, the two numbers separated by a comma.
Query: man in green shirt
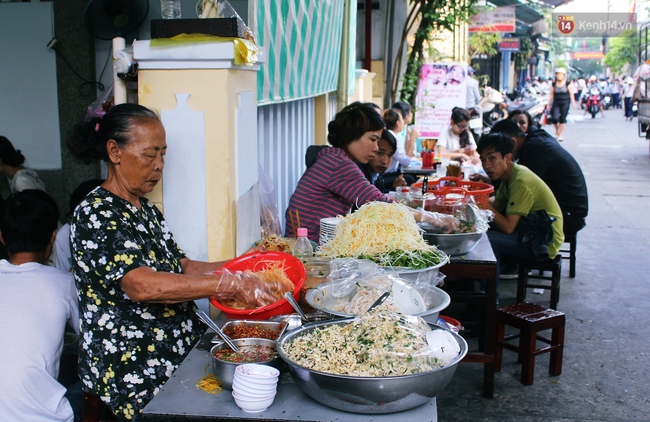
[[521, 193]]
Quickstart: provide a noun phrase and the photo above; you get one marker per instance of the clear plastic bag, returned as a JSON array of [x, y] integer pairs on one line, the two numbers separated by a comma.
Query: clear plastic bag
[[346, 274], [101, 105], [269, 217], [222, 9]]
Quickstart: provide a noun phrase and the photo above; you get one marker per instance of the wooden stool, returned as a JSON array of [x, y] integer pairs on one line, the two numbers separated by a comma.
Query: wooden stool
[[552, 265], [572, 240], [530, 319], [95, 410]]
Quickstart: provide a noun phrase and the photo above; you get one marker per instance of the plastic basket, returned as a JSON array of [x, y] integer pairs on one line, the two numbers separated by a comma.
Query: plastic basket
[[293, 268], [478, 190]]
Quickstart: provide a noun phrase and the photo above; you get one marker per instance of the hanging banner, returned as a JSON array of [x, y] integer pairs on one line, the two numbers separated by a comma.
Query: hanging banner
[[501, 19], [441, 88]]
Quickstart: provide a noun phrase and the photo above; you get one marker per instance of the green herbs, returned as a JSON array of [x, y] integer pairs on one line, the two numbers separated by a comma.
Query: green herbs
[[409, 259]]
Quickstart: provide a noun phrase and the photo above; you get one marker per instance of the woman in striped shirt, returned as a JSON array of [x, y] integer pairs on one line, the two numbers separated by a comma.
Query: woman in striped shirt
[[333, 184]]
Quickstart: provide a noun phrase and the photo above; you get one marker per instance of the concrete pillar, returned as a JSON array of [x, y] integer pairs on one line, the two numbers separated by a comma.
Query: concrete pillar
[[208, 106]]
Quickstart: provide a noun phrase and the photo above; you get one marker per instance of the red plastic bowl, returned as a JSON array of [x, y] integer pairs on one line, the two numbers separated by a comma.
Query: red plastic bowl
[[293, 268]]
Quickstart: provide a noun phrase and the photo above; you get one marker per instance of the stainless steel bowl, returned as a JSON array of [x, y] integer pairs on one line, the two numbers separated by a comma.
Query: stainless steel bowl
[[436, 298], [270, 326], [225, 371], [454, 244], [365, 394]]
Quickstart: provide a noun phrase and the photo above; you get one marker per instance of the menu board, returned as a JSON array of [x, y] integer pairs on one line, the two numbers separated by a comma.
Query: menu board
[[441, 88]]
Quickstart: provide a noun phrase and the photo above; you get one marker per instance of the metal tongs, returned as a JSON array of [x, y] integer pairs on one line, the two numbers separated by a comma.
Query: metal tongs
[[206, 319], [379, 301]]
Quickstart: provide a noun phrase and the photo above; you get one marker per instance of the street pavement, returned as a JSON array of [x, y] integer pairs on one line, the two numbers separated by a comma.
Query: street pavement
[[606, 366]]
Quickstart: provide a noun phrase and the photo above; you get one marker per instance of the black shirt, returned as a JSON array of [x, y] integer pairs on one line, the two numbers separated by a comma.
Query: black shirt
[[554, 165]]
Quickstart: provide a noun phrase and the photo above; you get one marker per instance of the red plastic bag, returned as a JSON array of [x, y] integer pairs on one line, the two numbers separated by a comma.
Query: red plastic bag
[[544, 119]]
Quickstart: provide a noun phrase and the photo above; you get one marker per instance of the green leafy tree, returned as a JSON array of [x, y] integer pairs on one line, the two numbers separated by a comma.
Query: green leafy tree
[[431, 17], [484, 43], [623, 50]]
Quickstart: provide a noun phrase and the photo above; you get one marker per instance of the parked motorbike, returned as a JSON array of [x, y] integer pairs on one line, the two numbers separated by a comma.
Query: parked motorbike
[[476, 122], [493, 107], [593, 102]]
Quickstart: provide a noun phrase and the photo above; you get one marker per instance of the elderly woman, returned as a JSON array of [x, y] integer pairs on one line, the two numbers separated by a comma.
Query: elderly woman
[[333, 183], [136, 286]]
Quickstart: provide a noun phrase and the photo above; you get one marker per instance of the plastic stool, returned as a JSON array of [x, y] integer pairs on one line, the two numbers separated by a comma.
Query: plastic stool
[[530, 319], [552, 265]]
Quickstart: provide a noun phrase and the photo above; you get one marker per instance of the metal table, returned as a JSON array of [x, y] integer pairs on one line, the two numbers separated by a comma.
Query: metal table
[[180, 401], [480, 264], [417, 169]]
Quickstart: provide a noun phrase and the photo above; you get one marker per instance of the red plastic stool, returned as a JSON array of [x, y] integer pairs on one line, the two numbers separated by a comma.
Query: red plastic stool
[[530, 319]]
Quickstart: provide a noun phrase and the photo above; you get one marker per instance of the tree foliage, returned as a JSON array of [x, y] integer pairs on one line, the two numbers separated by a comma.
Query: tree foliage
[[432, 17], [484, 43], [623, 50]]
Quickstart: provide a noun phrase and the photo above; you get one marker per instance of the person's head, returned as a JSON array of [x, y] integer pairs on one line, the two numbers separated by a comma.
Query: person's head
[[356, 129], [593, 78], [459, 124], [28, 222], [393, 120], [131, 139], [523, 119], [470, 70], [512, 130], [375, 106], [80, 193], [9, 156], [405, 110], [387, 146], [560, 74], [496, 155]]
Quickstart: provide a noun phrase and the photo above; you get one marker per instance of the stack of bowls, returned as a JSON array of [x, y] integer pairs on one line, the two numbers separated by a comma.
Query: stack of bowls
[[328, 228], [254, 387]]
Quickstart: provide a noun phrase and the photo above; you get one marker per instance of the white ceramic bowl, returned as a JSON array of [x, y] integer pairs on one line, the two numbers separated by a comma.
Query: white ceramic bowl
[[253, 406], [250, 390], [254, 384], [256, 380], [255, 396], [257, 371]]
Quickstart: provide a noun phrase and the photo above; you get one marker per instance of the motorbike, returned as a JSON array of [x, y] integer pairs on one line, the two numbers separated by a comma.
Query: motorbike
[[493, 107], [607, 101], [593, 102], [476, 122]]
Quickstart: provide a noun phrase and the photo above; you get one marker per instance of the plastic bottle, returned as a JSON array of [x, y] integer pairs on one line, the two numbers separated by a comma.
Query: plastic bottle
[[171, 9], [303, 247]]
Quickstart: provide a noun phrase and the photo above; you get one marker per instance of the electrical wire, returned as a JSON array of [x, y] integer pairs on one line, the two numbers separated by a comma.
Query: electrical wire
[[87, 82]]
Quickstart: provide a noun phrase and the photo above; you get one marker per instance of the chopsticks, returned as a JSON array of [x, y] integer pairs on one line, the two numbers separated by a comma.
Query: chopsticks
[[294, 217]]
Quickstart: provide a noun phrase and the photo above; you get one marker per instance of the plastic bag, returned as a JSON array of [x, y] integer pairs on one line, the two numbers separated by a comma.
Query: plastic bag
[[269, 217], [435, 221], [222, 9], [346, 274], [245, 288], [101, 105]]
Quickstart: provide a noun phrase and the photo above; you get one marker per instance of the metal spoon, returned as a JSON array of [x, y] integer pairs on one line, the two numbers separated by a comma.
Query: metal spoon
[[295, 305], [206, 319], [379, 301]]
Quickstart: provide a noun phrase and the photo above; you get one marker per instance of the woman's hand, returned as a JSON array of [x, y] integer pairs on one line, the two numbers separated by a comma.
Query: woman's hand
[[246, 288], [399, 181]]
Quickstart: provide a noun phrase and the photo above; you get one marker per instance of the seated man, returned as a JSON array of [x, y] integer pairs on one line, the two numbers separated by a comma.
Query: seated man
[[520, 196], [374, 169], [542, 154], [36, 303]]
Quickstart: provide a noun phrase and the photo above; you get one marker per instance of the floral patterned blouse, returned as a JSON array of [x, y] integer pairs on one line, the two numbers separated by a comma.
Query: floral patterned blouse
[[127, 349]]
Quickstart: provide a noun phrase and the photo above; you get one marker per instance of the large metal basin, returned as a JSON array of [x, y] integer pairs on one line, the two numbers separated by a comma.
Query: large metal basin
[[374, 395], [454, 244]]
